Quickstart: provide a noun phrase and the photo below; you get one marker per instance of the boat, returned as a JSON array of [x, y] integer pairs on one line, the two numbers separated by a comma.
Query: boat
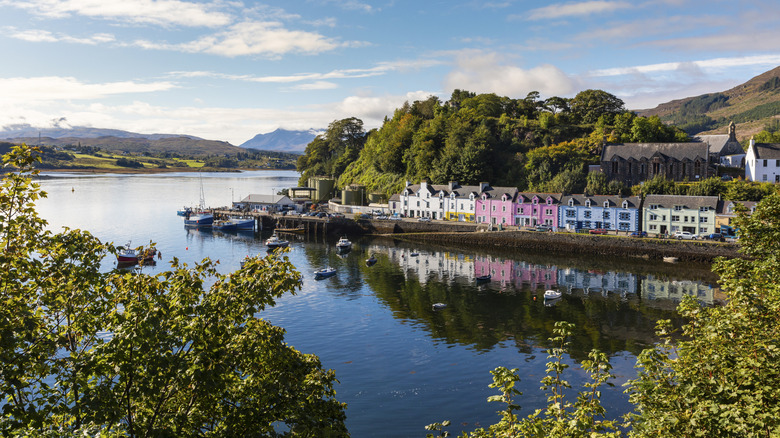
[[670, 259], [439, 306], [274, 242], [128, 255], [552, 294], [483, 278], [225, 226], [344, 244], [371, 260], [243, 224], [201, 217], [324, 273], [298, 230], [184, 211]]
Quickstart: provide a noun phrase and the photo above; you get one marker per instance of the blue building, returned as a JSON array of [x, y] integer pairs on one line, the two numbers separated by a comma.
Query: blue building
[[613, 213]]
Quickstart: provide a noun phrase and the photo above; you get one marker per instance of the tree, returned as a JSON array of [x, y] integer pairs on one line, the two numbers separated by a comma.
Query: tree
[[589, 105], [181, 353], [720, 376], [597, 184]]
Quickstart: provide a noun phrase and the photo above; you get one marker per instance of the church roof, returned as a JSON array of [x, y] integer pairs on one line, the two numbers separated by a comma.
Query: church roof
[[639, 151]]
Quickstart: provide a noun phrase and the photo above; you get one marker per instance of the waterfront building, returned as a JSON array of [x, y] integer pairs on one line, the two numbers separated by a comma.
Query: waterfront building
[[269, 203], [438, 201], [599, 211], [654, 288], [596, 281], [494, 205], [762, 162], [727, 211], [665, 214], [725, 149], [632, 163], [532, 209]]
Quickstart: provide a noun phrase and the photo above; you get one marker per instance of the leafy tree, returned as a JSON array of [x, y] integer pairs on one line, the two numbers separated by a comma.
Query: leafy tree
[[658, 186], [181, 353], [720, 376], [589, 105], [597, 184], [713, 186], [740, 190]]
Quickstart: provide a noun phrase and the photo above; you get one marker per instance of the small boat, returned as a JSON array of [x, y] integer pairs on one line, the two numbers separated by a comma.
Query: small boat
[[184, 211], [324, 273], [670, 259], [199, 219], [274, 242], [483, 278], [128, 255], [552, 294], [439, 306], [243, 224], [225, 226], [298, 230], [344, 244], [371, 260]]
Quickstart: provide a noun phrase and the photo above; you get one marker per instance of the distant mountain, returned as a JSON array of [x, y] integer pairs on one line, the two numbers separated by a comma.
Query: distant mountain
[[185, 146], [281, 140], [752, 106], [27, 131]]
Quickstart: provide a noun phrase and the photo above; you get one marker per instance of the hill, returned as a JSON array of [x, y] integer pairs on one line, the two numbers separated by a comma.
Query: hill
[[28, 131], [752, 106], [281, 140], [185, 146]]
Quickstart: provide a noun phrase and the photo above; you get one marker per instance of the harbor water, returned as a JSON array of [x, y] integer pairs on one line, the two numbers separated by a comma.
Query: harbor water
[[401, 364]]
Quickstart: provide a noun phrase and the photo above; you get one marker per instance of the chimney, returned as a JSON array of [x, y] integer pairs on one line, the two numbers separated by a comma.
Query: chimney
[[453, 185], [752, 142]]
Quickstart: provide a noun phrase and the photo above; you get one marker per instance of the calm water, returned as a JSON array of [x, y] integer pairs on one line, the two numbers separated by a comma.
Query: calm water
[[400, 364]]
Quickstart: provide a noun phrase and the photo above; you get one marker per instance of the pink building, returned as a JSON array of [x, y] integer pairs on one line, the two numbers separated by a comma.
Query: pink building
[[532, 209], [494, 206]]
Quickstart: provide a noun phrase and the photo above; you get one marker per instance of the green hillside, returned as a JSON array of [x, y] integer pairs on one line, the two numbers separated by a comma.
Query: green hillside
[[752, 106]]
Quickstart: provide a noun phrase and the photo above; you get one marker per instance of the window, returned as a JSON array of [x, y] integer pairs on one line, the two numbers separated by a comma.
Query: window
[[586, 224], [606, 204], [483, 207], [678, 207], [764, 177], [587, 214], [704, 209], [605, 215], [624, 226], [777, 163], [493, 208], [653, 206], [653, 227], [418, 203], [570, 212], [703, 220], [503, 208], [623, 216], [653, 217], [548, 211], [614, 167], [677, 218], [764, 163]]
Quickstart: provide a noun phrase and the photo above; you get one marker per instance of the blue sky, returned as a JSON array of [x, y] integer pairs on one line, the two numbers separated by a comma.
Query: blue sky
[[227, 70]]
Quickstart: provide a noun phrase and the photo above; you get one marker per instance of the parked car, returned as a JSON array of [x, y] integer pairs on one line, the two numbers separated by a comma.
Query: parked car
[[395, 218], [381, 217], [598, 231], [684, 235], [424, 219], [544, 228], [715, 236], [639, 234]]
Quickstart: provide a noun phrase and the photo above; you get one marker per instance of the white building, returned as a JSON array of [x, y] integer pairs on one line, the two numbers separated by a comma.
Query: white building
[[269, 203], [762, 162], [445, 201]]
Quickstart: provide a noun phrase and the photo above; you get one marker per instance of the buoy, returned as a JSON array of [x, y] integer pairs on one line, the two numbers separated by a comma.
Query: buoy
[[187, 248]]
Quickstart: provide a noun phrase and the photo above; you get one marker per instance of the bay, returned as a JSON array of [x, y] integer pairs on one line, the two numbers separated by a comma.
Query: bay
[[400, 364]]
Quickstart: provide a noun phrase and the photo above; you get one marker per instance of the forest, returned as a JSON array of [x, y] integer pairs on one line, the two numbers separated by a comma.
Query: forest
[[530, 143]]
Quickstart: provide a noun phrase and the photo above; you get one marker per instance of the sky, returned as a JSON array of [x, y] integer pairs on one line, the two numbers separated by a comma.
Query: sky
[[228, 70]]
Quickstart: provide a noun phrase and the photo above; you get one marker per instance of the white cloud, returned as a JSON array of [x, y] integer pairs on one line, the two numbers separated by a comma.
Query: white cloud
[[15, 91], [770, 60], [45, 36], [318, 85], [574, 9], [162, 12], [482, 72]]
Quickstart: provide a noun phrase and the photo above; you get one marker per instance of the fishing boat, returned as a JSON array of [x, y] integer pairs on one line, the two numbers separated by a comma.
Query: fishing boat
[[552, 294], [438, 306], [243, 224], [324, 273], [297, 230], [184, 211], [128, 255], [274, 242], [371, 260], [344, 244], [201, 217]]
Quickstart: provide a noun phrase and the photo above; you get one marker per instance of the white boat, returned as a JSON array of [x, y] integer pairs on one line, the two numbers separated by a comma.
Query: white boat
[[274, 242], [344, 244], [199, 218], [552, 294], [439, 306], [324, 273]]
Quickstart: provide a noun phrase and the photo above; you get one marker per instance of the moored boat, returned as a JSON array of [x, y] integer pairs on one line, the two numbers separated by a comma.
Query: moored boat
[[324, 273], [344, 244], [243, 224], [129, 255], [274, 242], [371, 260], [199, 219], [184, 211], [297, 230], [225, 226], [552, 294], [438, 306], [483, 278]]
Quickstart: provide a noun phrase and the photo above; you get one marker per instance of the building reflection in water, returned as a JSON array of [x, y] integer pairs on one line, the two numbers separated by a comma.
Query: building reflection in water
[[505, 274]]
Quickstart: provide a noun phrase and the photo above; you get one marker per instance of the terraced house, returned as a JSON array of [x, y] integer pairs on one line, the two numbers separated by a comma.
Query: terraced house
[[438, 201], [532, 209], [665, 214], [599, 211], [494, 205]]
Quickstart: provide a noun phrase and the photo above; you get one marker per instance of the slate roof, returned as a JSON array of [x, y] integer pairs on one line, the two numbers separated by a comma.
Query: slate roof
[[434, 189], [639, 151], [598, 200], [767, 151], [690, 202], [722, 207], [498, 192], [721, 144], [529, 196], [267, 199]]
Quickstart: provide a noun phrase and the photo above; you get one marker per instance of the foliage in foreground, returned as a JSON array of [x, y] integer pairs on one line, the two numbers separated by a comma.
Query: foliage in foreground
[[181, 353]]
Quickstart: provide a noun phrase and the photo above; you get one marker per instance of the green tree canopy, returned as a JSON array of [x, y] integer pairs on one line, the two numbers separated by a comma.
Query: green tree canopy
[[589, 105], [182, 353]]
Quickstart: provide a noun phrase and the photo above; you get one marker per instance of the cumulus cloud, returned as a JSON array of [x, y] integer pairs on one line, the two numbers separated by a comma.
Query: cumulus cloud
[[162, 12], [575, 9], [482, 72], [54, 88]]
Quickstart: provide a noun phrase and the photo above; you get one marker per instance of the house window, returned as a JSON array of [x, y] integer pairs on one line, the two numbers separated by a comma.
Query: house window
[[503, 208], [764, 163], [678, 207], [570, 212], [623, 216], [624, 226], [483, 207], [653, 227], [703, 220], [571, 202], [493, 208], [548, 211], [777, 163], [677, 218], [653, 206], [418, 203], [606, 215], [764, 177], [586, 224], [653, 217], [587, 214], [614, 167], [704, 209], [536, 201]]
